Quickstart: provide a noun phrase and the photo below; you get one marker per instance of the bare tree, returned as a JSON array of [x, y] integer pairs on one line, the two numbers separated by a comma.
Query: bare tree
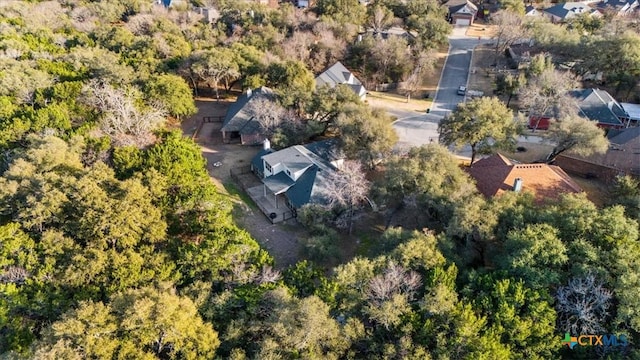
[[380, 18], [122, 119], [546, 95], [347, 188], [583, 305], [509, 29], [267, 275], [298, 46], [14, 274], [141, 24], [268, 113], [326, 49], [424, 65], [394, 280]]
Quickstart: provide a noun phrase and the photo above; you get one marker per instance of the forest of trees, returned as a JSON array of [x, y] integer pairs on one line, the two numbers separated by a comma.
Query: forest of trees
[[114, 243]]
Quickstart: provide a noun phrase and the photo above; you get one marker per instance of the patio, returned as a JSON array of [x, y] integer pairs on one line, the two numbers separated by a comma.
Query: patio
[[273, 206]]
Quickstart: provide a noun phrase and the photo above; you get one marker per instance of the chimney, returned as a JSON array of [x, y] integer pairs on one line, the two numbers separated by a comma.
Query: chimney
[[266, 144], [249, 92], [517, 185]]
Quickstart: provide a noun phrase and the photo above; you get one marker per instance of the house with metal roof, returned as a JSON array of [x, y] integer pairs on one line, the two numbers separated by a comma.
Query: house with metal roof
[[240, 124], [633, 111], [394, 31], [530, 10], [565, 11], [339, 74], [294, 176], [497, 174]]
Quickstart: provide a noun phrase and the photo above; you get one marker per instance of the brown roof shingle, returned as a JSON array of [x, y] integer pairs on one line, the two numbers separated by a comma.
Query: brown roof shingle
[[497, 174]]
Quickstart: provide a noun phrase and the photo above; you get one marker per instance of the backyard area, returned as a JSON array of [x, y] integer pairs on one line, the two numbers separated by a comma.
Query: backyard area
[[282, 241]]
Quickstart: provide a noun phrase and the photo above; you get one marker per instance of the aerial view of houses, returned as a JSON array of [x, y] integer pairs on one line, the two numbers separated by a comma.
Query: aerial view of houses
[[319, 179]]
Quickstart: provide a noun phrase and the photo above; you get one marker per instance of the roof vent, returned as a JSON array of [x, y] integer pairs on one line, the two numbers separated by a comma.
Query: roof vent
[[517, 185]]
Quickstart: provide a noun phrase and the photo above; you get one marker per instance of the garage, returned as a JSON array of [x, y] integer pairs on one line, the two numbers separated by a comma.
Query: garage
[[463, 22]]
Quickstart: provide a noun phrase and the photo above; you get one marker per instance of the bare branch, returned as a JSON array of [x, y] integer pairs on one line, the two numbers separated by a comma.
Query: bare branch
[[583, 305], [122, 119]]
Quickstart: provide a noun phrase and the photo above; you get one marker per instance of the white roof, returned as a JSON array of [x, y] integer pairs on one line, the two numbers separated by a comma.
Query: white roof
[[632, 109]]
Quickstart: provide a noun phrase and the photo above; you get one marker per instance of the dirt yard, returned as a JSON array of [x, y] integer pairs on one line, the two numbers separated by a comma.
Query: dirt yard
[[481, 77], [282, 241], [481, 29]]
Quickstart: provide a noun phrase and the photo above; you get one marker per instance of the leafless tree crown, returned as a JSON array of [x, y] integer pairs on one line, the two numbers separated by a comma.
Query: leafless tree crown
[[394, 280], [583, 305]]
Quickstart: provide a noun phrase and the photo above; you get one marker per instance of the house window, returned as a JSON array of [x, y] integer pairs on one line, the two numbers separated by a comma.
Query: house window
[[288, 172], [267, 166]]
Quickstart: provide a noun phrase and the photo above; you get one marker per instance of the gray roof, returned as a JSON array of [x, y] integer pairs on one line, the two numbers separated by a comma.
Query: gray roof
[[292, 157], [568, 9], [278, 183], [457, 5], [328, 150], [622, 137], [256, 162], [239, 116], [314, 159], [339, 74], [618, 5], [598, 105]]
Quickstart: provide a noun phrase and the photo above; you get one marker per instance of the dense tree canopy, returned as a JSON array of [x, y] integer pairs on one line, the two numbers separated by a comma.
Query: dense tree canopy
[[483, 123], [114, 243]]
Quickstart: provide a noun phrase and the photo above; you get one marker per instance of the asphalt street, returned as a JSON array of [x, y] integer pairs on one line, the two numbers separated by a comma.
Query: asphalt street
[[418, 129]]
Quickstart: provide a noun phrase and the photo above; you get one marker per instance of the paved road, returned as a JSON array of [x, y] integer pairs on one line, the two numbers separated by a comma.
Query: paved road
[[416, 129], [455, 71]]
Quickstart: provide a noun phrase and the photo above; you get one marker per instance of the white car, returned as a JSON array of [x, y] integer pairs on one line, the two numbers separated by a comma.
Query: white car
[[462, 90]]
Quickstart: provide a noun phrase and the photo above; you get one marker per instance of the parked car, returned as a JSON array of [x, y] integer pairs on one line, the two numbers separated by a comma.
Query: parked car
[[462, 90]]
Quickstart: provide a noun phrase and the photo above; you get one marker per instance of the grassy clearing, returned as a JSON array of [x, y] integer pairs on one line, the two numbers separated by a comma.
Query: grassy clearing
[[238, 195], [480, 79], [419, 102], [480, 29], [395, 101]]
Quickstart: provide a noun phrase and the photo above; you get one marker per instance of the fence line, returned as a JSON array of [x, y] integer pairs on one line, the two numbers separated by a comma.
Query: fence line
[[211, 119]]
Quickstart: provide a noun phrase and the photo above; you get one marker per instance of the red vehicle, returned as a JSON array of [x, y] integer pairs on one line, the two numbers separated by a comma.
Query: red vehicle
[[538, 123]]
